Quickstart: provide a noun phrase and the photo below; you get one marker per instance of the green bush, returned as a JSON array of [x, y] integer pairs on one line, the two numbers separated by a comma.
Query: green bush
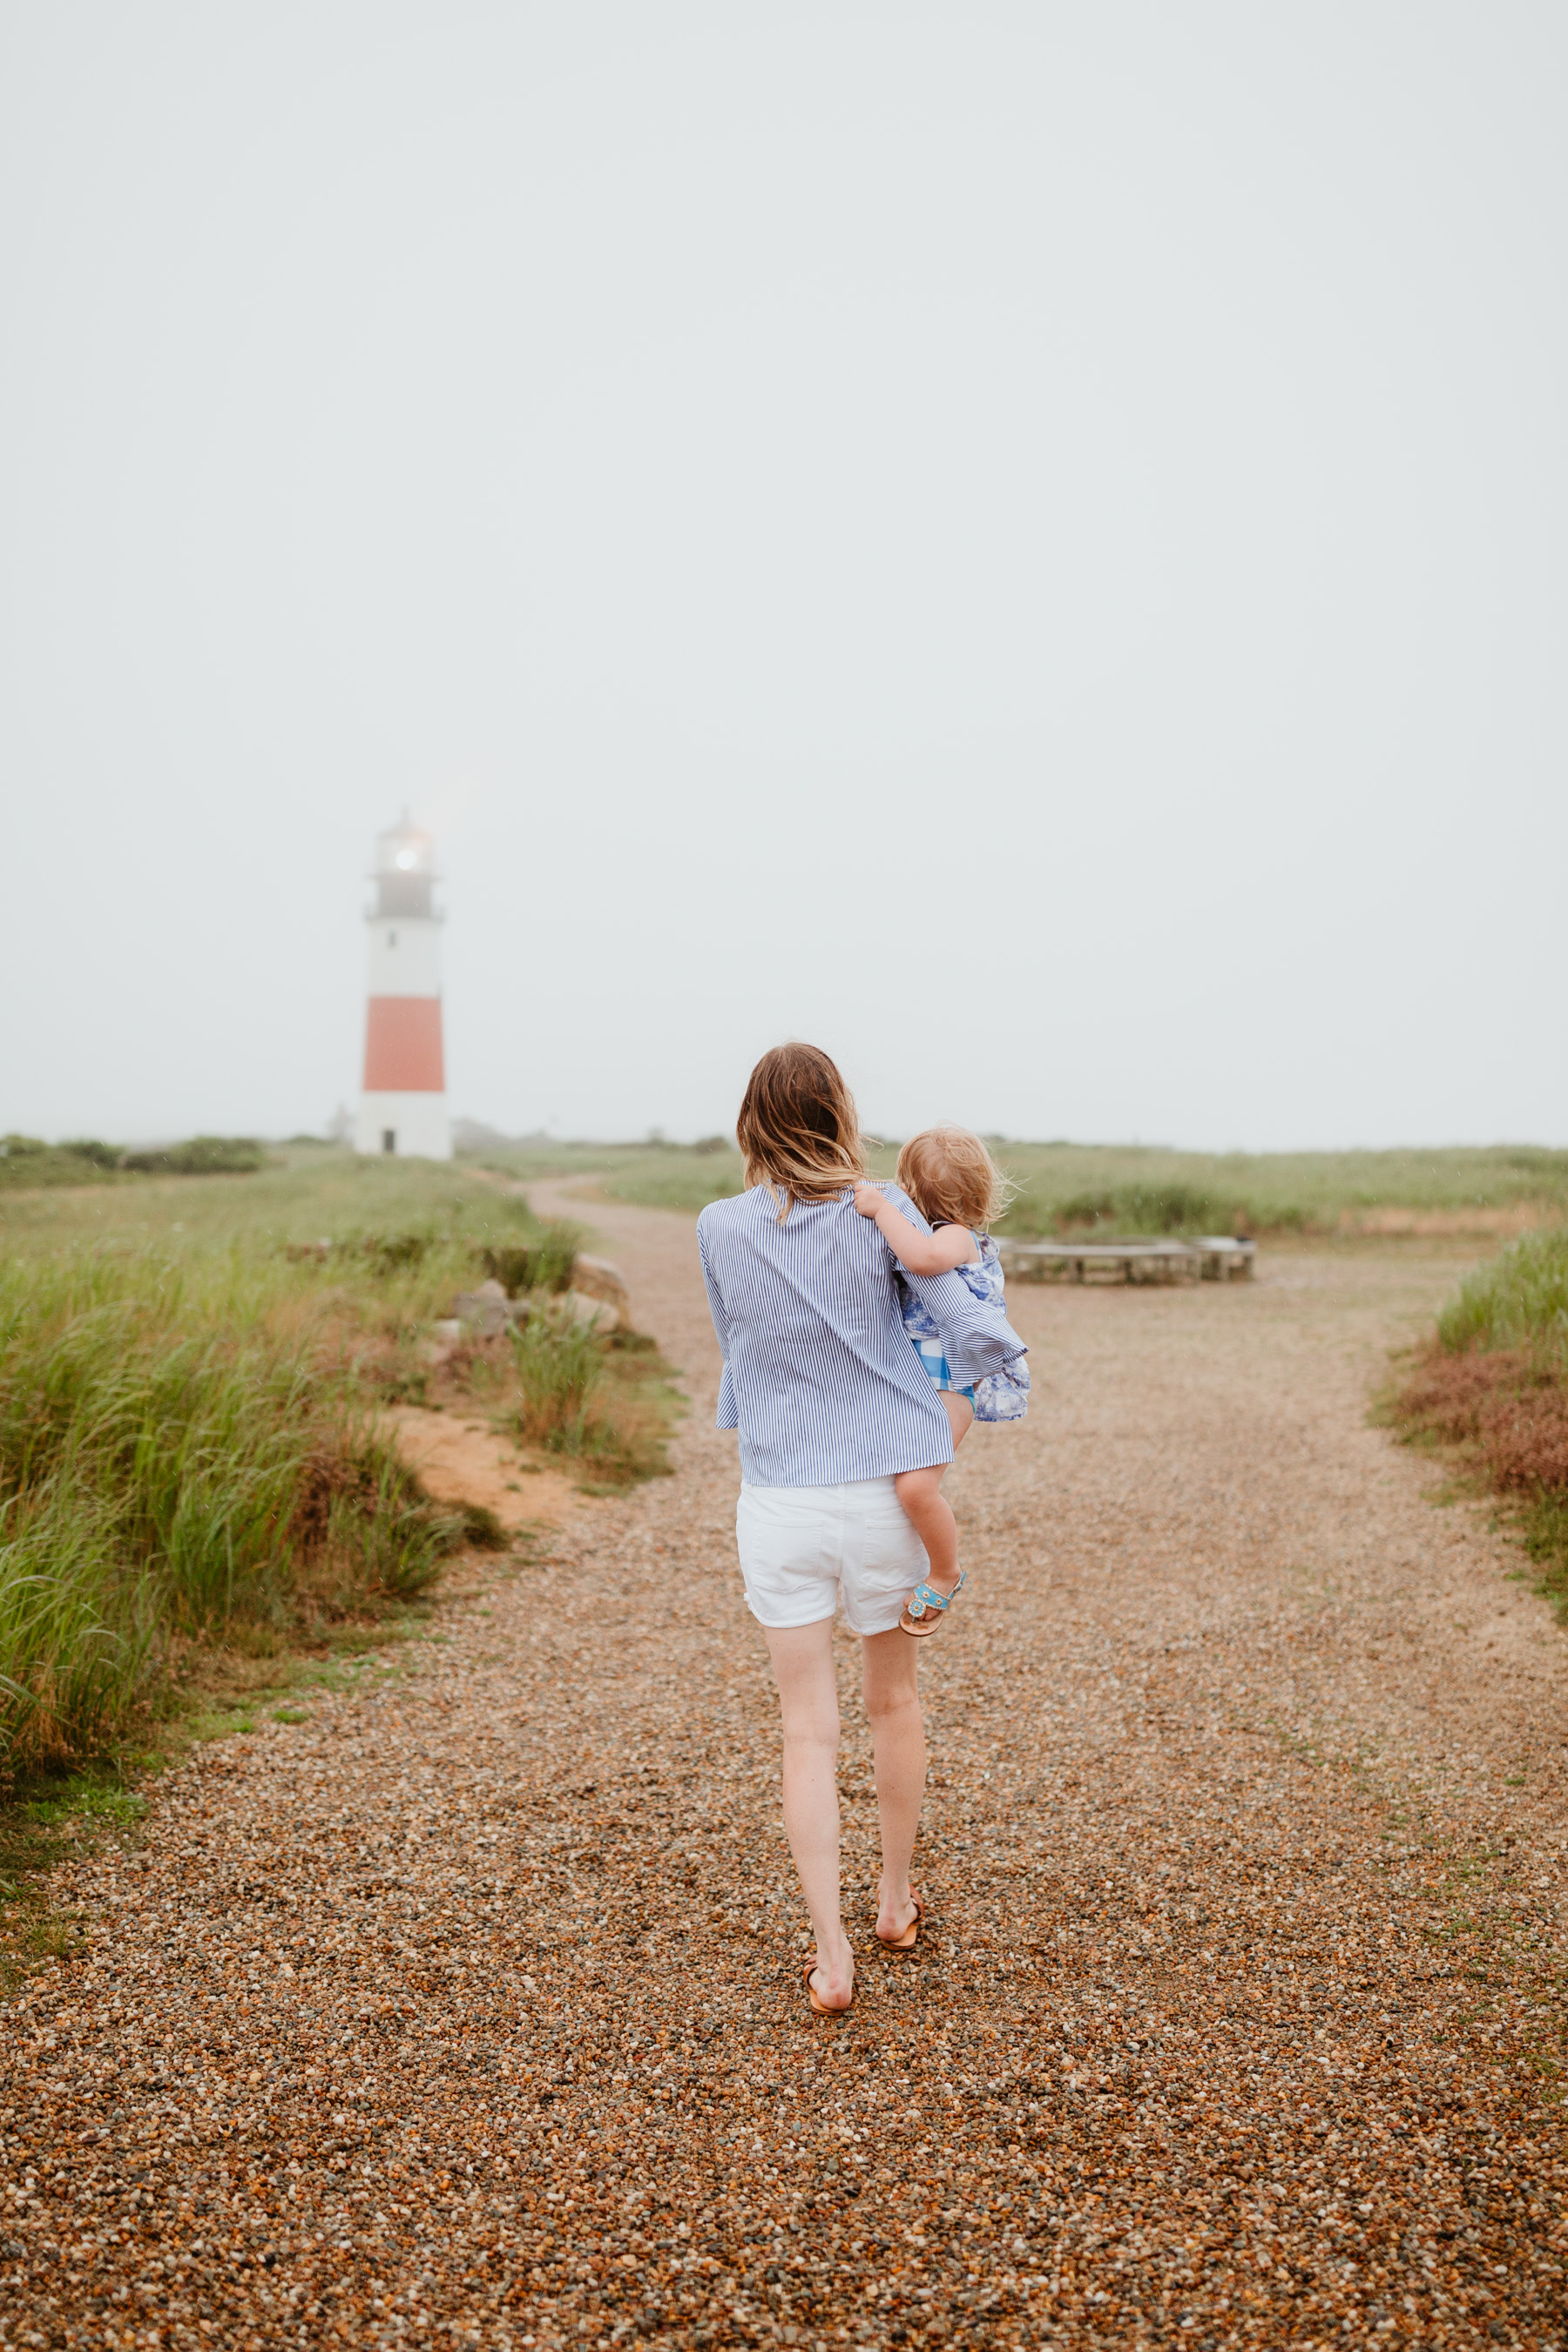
[[204, 1155], [394, 1253], [543, 1265]]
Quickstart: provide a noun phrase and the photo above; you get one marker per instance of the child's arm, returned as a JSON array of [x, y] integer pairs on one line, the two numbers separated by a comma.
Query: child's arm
[[921, 1252]]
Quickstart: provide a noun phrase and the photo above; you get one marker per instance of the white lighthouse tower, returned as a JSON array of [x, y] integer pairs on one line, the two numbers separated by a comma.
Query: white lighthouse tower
[[404, 1107]]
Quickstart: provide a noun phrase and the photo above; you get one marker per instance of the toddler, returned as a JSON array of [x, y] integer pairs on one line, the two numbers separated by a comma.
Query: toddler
[[958, 1189]]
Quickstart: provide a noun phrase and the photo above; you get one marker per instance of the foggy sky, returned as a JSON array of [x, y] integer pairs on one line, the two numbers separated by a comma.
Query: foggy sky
[[1024, 544]]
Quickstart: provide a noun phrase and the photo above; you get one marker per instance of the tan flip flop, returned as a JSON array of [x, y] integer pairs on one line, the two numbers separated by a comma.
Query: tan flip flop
[[911, 1933], [822, 2007]]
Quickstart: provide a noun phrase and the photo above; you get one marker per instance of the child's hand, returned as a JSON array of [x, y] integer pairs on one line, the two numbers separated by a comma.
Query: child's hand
[[868, 1199]]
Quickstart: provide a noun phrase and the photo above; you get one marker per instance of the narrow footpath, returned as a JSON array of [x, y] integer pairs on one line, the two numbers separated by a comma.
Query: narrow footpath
[[468, 2010]]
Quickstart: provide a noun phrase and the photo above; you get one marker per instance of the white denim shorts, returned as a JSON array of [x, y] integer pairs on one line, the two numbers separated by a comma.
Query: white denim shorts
[[804, 1549]]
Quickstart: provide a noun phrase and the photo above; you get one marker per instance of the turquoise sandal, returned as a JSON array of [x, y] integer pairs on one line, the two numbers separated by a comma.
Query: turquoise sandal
[[922, 1612]]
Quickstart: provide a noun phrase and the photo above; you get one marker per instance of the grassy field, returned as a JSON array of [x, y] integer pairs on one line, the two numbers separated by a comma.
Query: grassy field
[[194, 1452], [1492, 1387], [1146, 1190]]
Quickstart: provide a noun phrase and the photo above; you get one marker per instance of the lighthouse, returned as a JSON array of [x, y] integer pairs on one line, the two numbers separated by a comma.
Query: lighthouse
[[403, 1110]]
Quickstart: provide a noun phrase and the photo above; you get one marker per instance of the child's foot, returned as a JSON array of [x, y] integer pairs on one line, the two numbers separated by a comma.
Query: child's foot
[[928, 1604]]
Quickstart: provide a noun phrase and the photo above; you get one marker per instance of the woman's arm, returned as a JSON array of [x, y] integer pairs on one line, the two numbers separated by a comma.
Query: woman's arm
[[919, 1253], [728, 1416]]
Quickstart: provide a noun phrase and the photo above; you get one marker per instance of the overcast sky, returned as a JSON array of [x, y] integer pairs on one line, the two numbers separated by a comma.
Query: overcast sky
[[1024, 544]]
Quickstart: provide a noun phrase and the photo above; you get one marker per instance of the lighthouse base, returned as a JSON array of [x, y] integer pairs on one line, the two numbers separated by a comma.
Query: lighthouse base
[[404, 1127]]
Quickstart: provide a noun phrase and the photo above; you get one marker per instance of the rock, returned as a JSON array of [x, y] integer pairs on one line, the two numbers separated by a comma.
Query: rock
[[596, 1277], [579, 1307], [487, 1307]]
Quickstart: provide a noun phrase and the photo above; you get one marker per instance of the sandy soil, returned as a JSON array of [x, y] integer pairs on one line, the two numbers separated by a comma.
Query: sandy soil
[[469, 2010], [461, 1459]]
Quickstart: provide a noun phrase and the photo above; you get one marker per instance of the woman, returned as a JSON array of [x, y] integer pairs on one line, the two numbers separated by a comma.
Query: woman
[[831, 1403]]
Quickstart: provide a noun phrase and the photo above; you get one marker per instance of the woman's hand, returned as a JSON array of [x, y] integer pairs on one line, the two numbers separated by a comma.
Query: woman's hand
[[868, 1198]]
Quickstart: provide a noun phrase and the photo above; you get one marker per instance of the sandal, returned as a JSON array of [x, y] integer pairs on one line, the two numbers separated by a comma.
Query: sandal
[[822, 2007], [925, 1603], [910, 1937]]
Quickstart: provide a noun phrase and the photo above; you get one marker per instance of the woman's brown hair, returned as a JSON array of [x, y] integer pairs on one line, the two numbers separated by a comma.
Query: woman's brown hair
[[949, 1174], [798, 1131]]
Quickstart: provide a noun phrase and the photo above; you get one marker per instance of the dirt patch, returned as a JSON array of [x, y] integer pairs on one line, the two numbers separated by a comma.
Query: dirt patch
[[464, 1461]]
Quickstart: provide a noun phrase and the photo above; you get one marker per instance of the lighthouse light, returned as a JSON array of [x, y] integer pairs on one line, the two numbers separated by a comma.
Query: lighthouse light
[[407, 859]]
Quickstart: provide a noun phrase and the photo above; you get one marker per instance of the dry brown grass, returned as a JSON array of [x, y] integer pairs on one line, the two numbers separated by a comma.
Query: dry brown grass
[[1505, 1411]]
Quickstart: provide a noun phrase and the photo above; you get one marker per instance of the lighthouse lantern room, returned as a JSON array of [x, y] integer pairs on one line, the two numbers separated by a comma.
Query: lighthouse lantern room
[[403, 1110]]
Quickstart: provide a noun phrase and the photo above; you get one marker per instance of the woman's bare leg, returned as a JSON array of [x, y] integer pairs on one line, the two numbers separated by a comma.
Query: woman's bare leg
[[890, 1663], [808, 1703]]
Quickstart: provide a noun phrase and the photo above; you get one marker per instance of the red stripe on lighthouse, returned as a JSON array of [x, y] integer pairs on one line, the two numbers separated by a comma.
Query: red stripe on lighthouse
[[403, 1047]]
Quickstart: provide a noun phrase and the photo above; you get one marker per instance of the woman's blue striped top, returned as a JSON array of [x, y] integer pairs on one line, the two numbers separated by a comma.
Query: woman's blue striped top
[[819, 1375]]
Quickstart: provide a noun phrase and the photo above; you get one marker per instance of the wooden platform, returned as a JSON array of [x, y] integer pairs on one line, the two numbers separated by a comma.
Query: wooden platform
[[1202, 1257]]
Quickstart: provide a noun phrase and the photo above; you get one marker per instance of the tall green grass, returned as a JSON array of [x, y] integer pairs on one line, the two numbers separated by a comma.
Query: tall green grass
[[604, 1406], [1520, 1300], [182, 1447]]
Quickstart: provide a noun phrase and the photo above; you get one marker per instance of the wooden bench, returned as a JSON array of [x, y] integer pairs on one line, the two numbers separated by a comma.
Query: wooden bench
[[1224, 1258], [1211, 1257]]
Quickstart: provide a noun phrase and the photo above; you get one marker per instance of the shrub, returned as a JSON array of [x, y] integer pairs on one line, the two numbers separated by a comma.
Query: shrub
[[544, 1265], [1505, 1402], [393, 1253], [204, 1155]]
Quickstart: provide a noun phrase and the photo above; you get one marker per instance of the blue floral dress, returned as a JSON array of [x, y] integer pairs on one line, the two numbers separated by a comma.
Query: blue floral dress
[[1000, 1396]]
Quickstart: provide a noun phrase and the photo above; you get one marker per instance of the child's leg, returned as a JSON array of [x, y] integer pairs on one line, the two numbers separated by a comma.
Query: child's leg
[[929, 1513], [959, 1413], [927, 1509]]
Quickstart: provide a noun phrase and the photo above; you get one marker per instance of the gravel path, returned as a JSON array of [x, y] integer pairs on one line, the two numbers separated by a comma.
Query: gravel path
[[466, 2011]]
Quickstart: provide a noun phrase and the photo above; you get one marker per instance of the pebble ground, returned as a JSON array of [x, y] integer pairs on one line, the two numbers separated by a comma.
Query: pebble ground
[[466, 2011]]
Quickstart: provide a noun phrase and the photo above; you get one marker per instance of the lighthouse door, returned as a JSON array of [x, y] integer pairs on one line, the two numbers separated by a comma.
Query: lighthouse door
[[389, 1139]]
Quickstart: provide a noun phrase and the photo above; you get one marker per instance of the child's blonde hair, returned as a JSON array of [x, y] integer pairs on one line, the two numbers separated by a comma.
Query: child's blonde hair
[[949, 1175]]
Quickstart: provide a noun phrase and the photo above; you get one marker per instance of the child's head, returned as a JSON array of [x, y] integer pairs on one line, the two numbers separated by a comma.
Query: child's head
[[949, 1175]]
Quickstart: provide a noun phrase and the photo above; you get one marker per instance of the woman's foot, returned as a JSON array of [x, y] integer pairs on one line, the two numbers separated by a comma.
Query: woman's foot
[[830, 1981], [898, 1918]]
